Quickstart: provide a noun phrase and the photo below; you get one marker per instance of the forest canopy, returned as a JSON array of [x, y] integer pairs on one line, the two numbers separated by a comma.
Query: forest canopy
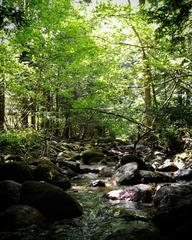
[[80, 70]]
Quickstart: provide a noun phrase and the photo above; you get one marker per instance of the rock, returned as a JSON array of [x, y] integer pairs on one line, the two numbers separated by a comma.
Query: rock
[[135, 230], [127, 174], [133, 158], [12, 157], [9, 193], [18, 216], [73, 165], [45, 161], [68, 172], [97, 183], [167, 168], [92, 156], [48, 173], [52, 201], [16, 171], [106, 172], [139, 193], [90, 169], [174, 205], [134, 213], [63, 182], [154, 177], [183, 174]]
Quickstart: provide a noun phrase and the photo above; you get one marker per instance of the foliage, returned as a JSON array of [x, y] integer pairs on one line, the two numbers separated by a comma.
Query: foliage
[[14, 141], [78, 74], [173, 17]]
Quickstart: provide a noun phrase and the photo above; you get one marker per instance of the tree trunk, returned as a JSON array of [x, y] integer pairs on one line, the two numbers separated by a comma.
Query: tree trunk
[[25, 113], [148, 80], [33, 114], [2, 105]]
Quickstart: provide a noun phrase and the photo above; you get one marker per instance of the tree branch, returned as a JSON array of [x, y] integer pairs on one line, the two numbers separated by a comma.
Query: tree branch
[[110, 112]]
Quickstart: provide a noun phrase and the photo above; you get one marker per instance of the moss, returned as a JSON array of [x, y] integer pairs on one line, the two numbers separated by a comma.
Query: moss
[[92, 155], [18, 216], [17, 171], [52, 201], [9, 193]]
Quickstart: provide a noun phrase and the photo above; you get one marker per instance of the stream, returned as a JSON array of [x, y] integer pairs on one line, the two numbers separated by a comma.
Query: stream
[[101, 217], [128, 214]]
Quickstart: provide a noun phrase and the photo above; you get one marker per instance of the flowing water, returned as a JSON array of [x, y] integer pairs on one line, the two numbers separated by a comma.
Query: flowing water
[[97, 222], [100, 217]]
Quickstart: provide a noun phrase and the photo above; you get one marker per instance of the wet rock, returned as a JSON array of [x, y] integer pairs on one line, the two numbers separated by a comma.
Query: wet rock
[[97, 183], [127, 174], [183, 174], [16, 171], [50, 173], [52, 201], [68, 172], [167, 168], [139, 193], [154, 177], [106, 172], [174, 205], [18, 216], [90, 169], [133, 158], [9, 193], [92, 156], [135, 230], [73, 165]]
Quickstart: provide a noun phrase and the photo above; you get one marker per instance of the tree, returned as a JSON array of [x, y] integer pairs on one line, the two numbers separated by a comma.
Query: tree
[[173, 17]]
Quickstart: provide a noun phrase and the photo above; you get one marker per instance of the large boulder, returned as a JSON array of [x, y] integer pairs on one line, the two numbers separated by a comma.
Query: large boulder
[[52, 201], [127, 174], [128, 158], [174, 206], [9, 193], [183, 174], [139, 193], [16, 171], [154, 177], [92, 155], [18, 216], [50, 173], [73, 165]]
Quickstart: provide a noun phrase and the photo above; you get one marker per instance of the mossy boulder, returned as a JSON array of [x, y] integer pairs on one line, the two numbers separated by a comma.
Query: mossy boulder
[[16, 171], [73, 165], [18, 216], [52, 201], [154, 177], [127, 174], [50, 173], [173, 203], [9, 193], [92, 155]]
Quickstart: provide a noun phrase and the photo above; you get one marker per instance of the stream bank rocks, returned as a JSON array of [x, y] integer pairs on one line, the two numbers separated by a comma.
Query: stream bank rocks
[[153, 198], [138, 193], [174, 207], [52, 201], [18, 216], [32, 202]]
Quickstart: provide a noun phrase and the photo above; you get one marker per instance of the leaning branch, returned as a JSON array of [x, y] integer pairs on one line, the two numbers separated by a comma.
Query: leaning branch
[[120, 43], [110, 112]]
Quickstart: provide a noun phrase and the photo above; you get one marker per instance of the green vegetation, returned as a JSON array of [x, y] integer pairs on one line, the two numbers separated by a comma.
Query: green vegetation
[[113, 71]]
